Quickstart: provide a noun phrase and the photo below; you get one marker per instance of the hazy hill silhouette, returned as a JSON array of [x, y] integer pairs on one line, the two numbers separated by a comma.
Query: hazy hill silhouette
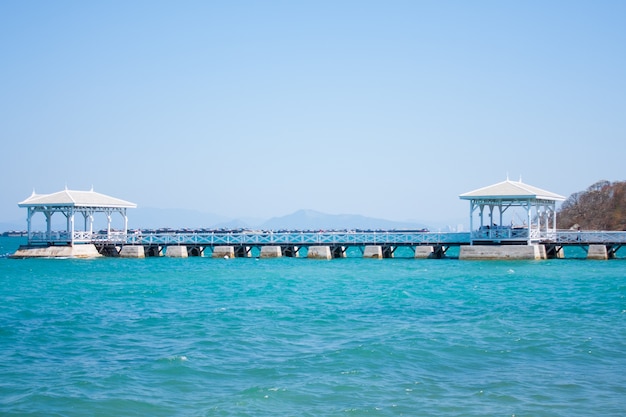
[[315, 220]]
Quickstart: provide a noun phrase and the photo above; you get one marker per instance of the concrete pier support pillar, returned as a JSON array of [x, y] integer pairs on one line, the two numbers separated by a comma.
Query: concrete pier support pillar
[[373, 252], [424, 252], [503, 252], [319, 252], [540, 252], [223, 252], [271, 252], [597, 252], [130, 251], [176, 252]]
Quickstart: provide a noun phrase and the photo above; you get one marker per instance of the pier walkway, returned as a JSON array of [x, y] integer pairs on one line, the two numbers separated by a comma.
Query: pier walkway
[[291, 242], [304, 238], [347, 238]]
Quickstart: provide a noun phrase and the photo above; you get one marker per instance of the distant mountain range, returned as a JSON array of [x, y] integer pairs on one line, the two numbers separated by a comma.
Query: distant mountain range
[[301, 220], [314, 220], [153, 218]]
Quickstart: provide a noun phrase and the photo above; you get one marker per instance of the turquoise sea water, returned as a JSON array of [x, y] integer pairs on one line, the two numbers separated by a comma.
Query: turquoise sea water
[[298, 337]]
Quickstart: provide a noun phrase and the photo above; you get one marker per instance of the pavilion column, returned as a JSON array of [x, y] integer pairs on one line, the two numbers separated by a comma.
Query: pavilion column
[[70, 226], [125, 221], [471, 225], [88, 226], [538, 216], [29, 218], [86, 219], [48, 225], [482, 210], [108, 224], [529, 222]]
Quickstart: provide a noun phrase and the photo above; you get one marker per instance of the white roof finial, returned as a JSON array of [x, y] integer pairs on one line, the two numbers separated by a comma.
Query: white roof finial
[[91, 188], [520, 177]]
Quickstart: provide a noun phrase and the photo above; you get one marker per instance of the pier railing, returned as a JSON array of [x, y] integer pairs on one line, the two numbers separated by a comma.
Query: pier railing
[[300, 238], [588, 237], [52, 237], [503, 233], [334, 238], [77, 237]]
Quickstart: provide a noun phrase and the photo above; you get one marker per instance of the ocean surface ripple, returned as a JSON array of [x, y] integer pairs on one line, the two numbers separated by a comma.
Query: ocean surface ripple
[[296, 337]]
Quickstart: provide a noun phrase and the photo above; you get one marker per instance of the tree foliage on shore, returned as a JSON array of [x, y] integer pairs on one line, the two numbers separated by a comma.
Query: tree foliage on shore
[[602, 206]]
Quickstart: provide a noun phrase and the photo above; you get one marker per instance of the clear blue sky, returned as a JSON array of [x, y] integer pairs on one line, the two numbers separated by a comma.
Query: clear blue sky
[[388, 109]]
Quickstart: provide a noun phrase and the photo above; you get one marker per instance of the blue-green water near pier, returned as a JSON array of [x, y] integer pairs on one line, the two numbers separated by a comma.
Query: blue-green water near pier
[[298, 337]]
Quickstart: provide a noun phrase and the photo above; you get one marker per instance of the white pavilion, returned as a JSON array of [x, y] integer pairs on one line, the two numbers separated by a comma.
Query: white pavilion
[[69, 203], [537, 222]]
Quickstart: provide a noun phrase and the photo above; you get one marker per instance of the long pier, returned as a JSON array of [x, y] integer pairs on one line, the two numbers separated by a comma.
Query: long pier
[[324, 244], [334, 244], [490, 238]]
